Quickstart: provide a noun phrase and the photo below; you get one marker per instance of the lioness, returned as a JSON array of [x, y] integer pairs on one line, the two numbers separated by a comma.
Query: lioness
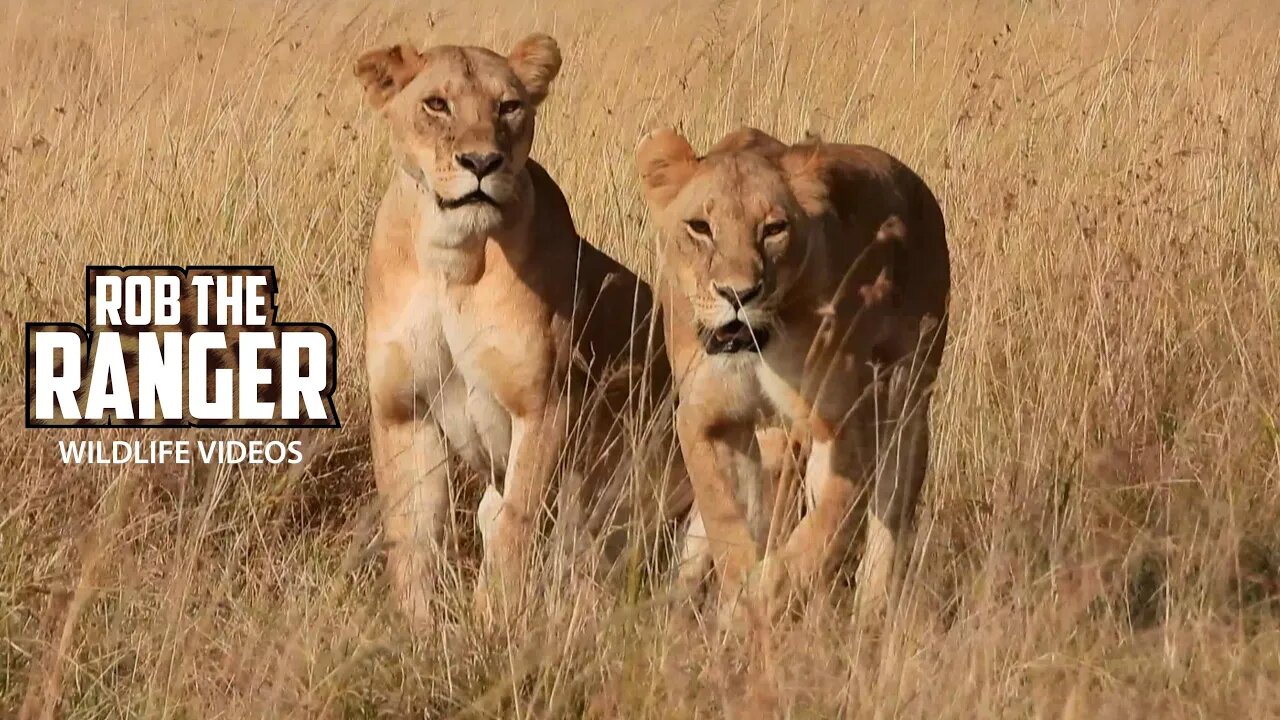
[[488, 319], [809, 282]]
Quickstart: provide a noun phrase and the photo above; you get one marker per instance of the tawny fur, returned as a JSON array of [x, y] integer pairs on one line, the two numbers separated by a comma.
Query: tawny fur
[[489, 323], [842, 252]]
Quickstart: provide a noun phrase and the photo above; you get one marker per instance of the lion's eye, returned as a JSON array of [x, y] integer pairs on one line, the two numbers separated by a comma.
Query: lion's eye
[[506, 107], [776, 227], [699, 228], [436, 104]]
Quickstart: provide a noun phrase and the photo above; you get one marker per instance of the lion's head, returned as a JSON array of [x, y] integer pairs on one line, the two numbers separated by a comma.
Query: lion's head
[[462, 121], [735, 226]]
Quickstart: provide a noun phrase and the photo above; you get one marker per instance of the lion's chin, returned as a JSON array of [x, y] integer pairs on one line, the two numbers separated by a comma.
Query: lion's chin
[[477, 217], [459, 225]]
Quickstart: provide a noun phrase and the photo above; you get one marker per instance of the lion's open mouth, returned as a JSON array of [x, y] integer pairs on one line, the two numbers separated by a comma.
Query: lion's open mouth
[[734, 336], [475, 197]]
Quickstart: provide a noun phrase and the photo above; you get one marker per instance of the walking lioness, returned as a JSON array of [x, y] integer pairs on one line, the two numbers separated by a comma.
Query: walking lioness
[[488, 319], [811, 282]]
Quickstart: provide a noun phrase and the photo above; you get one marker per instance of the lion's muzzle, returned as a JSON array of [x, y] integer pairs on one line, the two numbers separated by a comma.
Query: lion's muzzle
[[734, 337], [475, 197]]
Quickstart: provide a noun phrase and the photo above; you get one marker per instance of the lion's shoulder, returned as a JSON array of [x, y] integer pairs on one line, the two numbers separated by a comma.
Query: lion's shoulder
[[552, 216]]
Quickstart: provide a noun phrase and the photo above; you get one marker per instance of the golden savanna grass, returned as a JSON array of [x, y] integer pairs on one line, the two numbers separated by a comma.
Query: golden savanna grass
[[1099, 534]]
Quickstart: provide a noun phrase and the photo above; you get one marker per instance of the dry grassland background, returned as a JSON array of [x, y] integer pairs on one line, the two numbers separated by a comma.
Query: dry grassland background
[[1099, 535]]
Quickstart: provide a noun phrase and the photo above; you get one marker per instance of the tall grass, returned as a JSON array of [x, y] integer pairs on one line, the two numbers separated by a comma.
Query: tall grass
[[1098, 536]]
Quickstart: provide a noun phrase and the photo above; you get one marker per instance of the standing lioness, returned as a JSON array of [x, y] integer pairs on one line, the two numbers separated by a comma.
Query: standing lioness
[[488, 319], [812, 282]]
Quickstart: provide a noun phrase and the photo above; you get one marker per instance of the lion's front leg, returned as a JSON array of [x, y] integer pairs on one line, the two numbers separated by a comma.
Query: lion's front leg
[[411, 468], [695, 559], [718, 456], [837, 476], [511, 527]]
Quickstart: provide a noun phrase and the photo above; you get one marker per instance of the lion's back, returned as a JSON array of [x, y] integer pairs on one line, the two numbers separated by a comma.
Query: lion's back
[[612, 309]]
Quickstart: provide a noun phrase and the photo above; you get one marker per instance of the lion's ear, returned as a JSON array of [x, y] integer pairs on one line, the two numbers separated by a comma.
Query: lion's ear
[[806, 172], [536, 61], [666, 161], [385, 71]]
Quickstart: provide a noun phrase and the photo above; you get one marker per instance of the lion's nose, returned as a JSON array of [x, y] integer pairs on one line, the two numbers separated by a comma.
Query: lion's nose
[[739, 297], [480, 164]]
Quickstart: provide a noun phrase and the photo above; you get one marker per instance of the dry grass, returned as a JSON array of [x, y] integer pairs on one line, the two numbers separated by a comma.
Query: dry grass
[[1099, 533]]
